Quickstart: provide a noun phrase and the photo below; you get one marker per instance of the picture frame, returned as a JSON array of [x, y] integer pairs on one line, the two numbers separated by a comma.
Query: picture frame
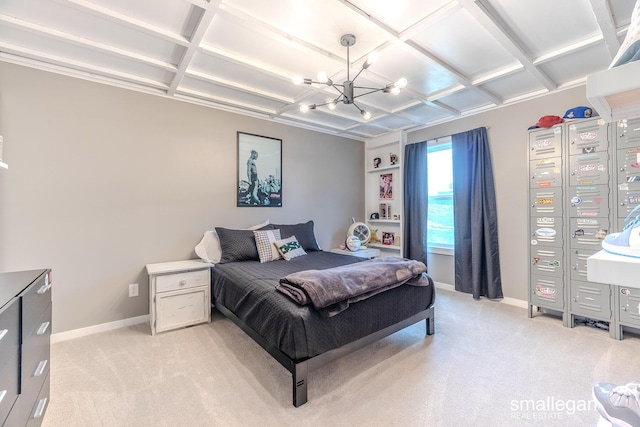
[[259, 171], [384, 211], [388, 238], [386, 186]]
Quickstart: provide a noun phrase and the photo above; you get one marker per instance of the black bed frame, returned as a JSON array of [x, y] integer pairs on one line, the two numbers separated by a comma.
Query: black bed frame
[[300, 368]]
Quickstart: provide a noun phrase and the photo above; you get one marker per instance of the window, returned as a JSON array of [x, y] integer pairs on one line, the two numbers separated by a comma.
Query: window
[[440, 213]]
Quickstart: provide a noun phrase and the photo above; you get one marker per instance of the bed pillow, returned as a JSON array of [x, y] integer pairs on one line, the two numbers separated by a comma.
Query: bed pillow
[[265, 240], [237, 245], [290, 248], [303, 232], [209, 250]]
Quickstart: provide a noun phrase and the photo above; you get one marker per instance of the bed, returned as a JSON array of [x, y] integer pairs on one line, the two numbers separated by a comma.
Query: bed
[[299, 337]]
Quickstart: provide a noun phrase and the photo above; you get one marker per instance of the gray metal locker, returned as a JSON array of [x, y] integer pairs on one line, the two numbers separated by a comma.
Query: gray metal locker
[[545, 143], [629, 306], [546, 201], [546, 173], [547, 231], [547, 292], [592, 300], [588, 137], [589, 201], [588, 233], [628, 199], [578, 269], [547, 260], [589, 169], [628, 133]]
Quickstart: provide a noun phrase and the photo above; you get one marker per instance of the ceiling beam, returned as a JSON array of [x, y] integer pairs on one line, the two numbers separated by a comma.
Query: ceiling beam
[[604, 17]]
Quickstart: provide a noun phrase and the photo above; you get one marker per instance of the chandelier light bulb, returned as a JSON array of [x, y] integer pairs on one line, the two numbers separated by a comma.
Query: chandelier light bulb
[[401, 84], [304, 108], [365, 114], [297, 80], [395, 90], [322, 76], [373, 57], [332, 105]]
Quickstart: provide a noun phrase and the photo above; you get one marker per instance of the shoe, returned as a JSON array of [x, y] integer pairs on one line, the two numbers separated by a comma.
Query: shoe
[[620, 405], [627, 242]]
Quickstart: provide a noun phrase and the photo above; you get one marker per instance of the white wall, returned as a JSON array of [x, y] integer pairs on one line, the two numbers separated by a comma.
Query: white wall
[[102, 181], [508, 142]]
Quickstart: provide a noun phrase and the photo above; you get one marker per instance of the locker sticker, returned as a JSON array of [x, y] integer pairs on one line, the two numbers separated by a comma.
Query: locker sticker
[[625, 291], [545, 232], [633, 199], [576, 200], [545, 292], [588, 136], [623, 187], [545, 200]]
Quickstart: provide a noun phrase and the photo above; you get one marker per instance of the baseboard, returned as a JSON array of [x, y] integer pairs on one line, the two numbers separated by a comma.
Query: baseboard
[[505, 300], [90, 330]]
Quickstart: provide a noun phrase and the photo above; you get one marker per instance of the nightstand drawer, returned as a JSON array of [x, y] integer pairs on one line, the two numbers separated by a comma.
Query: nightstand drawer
[[182, 308], [182, 280]]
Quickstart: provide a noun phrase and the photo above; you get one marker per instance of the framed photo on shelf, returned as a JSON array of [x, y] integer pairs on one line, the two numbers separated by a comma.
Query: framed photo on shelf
[[386, 186], [259, 178], [388, 238], [385, 210]]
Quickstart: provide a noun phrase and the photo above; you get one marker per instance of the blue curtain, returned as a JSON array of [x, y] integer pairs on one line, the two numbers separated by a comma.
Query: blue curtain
[[477, 260], [416, 201]]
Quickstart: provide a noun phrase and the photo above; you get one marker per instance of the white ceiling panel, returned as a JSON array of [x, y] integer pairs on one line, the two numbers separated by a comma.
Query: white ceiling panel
[[458, 56]]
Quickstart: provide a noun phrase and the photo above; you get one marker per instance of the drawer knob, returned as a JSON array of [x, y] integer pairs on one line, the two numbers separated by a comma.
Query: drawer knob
[[183, 282], [3, 332]]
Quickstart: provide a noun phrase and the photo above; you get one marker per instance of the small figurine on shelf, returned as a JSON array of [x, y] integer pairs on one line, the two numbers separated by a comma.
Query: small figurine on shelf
[[374, 236], [376, 162], [392, 159]]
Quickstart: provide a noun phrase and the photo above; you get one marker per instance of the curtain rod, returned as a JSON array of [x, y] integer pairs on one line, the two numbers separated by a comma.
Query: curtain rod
[[449, 136]]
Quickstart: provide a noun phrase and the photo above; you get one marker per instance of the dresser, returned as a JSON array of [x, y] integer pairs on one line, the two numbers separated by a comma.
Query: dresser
[[25, 337]]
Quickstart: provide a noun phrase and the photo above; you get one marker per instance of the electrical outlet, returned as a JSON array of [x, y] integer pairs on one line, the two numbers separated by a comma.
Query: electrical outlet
[[133, 290]]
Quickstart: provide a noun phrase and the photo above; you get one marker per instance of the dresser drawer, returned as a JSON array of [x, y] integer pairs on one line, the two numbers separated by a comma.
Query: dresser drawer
[[35, 301], [182, 280], [35, 354], [9, 329], [9, 379], [36, 414]]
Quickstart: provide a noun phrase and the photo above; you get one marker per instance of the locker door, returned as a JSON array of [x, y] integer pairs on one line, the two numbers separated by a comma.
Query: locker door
[[546, 231], [629, 165], [579, 263], [547, 292], [546, 201], [628, 133], [588, 137], [630, 306], [589, 200], [588, 233], [589, 169], [547, 260], [546, 173], [591, 300], [628, 197], [545, 143]]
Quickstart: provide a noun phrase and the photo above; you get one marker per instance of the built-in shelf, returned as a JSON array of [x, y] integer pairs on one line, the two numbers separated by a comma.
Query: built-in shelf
[[383, 168], [4, 165], [381, 246], [384, 221]]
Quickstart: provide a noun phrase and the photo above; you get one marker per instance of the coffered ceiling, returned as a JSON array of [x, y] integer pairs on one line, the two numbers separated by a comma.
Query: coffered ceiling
[[459, 57]]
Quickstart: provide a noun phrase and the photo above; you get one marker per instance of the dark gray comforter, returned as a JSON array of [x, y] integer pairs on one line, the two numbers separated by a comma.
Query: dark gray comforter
[[247, 289]]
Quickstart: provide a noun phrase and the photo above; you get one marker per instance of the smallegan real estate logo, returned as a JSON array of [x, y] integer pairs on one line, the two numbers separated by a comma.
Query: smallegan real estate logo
[[548, 408]]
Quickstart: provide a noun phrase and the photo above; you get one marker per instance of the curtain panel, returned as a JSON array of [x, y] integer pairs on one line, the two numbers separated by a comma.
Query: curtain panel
[[416, 201], [477, 258]]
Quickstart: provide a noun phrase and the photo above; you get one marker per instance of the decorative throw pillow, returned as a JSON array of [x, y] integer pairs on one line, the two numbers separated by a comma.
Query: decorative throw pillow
[[303, 232], [237, 245], [209, 250], [265, 240], [290, 248]]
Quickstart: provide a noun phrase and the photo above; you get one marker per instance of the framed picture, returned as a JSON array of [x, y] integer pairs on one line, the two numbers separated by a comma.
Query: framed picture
[[385, 210], [386, 186], [259, 171], [388, 238]]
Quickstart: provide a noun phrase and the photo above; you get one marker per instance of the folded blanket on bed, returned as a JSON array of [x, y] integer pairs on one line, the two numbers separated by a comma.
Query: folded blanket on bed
[[332, 290]]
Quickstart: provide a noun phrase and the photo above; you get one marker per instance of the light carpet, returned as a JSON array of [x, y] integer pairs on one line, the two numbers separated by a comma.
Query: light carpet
[[487, 365]]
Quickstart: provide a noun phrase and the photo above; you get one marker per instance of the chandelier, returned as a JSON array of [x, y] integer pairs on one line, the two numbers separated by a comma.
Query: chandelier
[[347, 89]]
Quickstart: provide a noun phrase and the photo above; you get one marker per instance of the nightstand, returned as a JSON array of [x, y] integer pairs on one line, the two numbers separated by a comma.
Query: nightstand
[[362, 253], [179, 294]]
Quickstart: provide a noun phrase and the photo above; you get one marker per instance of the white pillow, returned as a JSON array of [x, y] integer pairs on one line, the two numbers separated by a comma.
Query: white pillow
[[290, 248], [265, 240], [208, 249]]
